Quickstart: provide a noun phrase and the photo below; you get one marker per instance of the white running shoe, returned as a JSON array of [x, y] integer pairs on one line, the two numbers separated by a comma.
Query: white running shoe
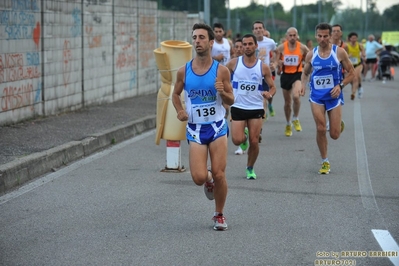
[[219, 223], [239, 151], [360, 92]]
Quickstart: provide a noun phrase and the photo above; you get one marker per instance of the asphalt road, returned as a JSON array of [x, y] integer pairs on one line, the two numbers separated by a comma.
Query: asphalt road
[[117, 207]]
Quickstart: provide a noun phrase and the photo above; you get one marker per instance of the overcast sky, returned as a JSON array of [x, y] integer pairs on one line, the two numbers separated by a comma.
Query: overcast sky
[[288, 4]]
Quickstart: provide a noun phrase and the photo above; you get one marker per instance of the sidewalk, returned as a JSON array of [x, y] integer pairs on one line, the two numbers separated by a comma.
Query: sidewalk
[[35, 147]]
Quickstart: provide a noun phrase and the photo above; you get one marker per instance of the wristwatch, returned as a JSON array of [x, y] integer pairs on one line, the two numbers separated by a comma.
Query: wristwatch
[[342, 85]]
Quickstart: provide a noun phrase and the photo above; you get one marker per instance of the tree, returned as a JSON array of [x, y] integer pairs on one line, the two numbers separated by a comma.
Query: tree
[[391, 17]]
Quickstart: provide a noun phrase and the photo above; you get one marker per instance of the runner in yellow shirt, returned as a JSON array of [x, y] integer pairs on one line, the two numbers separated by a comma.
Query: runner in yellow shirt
[[356, 55]]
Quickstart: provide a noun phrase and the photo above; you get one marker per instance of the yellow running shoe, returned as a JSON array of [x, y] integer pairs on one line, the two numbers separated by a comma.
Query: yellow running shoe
[[342, 125], [297, 125], [325, 168], [288, 131]]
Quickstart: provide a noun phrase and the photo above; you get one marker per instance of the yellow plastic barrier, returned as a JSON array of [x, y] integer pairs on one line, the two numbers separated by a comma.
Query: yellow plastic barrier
[[169, 58]]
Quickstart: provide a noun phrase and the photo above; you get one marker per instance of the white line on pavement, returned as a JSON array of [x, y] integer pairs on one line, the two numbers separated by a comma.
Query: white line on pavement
[[50, 177], [363, 176], [383, 237], [387, 243]]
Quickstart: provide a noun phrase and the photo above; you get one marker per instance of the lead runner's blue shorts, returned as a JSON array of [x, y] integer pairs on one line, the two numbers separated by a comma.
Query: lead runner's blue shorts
[[328, 104], [206, 133]]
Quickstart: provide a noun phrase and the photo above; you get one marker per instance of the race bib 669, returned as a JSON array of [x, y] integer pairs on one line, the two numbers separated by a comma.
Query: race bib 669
[[247, 87]]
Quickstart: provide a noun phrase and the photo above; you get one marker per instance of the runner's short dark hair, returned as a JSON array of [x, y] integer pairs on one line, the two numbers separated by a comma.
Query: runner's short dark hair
[[205, 27]]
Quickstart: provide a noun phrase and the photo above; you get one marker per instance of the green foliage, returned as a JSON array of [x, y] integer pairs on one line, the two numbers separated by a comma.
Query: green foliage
[[391, 18], [307, 16]]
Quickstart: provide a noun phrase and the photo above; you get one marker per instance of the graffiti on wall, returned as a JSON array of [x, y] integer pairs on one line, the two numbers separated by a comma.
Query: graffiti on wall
[[20, 22], [76, 28], [132, 24], [17, 68], [24, 5], [67, 64], [148, 41], [17, 96], [126, 44], [23, 68], [1, 70], [38, 91], [94, 41], [133, 79]]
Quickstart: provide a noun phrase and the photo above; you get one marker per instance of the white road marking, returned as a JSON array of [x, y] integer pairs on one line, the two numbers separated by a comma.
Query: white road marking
[[363, 176], [383, 237], [387, 243]]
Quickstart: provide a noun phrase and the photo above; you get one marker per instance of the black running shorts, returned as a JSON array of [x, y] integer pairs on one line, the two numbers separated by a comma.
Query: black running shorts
[[288, 79], [242, 114]]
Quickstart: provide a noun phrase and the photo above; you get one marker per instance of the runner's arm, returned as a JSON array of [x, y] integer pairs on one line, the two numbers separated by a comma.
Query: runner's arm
[[223, 85], [231, 48], [178, 89], [276, 57], [306, 72], [347, 65], [267, 75]]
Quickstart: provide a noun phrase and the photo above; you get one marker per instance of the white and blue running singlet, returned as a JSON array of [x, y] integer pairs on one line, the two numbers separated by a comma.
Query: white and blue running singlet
[[327, 73], [247, 85], [203, 105]]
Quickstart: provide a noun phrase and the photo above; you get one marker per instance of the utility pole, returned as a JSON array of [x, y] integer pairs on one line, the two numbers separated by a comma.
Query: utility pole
[[207, 12], [366, 25], [228, 15], [294, 18], [319, 11], [264, 13]]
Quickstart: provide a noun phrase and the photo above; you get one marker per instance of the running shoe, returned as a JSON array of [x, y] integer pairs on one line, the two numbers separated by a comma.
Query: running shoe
[[325, 168], [219, 223], [288, 130], [239, 151], [360, 92], [251, 174], [352, 96], [271, 110], [297, 125], [208, 189], [244, 145]]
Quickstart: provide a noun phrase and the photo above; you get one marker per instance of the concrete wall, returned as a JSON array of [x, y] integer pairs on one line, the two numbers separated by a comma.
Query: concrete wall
[[62, 55]]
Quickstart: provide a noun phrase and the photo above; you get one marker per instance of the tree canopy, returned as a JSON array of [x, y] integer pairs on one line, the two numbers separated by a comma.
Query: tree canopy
[[303, 17]]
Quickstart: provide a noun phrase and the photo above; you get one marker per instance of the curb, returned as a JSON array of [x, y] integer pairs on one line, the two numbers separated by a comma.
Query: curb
[[20, 171]]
